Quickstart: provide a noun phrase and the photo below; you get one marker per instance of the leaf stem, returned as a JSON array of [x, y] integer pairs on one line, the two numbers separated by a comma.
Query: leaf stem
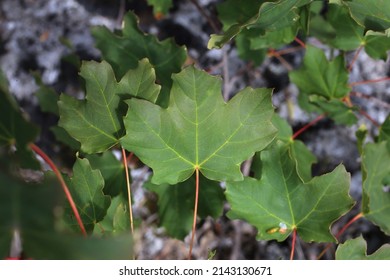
[[195, 212], [341, 231], [370, 98], [364, 113], [285, 63], [128, 190], [347, 225], [294, 240], [313, 122], [300, 42], [370, 81], [355, 58], [285, 51], [65, 188]]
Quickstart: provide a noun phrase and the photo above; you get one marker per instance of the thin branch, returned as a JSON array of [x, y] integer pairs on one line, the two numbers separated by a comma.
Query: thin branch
[[274, 53], [195, 212], [124, 158], [288, 50], [313, 122], [370, 81], [294, 240], [374, 122], [347, 225], [300, 42], [206, 16], [355, 58], [341, 231], [371, 98], [65, 188]]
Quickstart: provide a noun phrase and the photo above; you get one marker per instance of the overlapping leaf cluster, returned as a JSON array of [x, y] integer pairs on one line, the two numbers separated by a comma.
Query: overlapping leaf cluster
[[174, 119], [28, 208], [257, 26]]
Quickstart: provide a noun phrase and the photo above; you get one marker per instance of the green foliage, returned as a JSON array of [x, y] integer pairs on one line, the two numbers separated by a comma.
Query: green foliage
[[15, 130], [49, 246], [86, 187], [124, 49], [253, 40], [384, 132], [112, 171], [323, 84], [275, 205], [372, 15], [321, 77], [24, 209], [176, 203], [355, 249], [28, 210], [270, 16], [344, 33], [177, 123], [48, 99], [297, 150], [116, 222], [96, 121], [376, 199], [198, 130]]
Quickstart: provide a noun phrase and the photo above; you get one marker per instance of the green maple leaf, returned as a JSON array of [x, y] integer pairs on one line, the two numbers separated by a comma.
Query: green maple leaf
[[376, 199], [113, 172], [86, 187], [376, 45], [231, 12], [349, 35], [280, 201], [245, 51], [270, 16], [373, 15], [321, 77], [323, 84], [96, 122], [176, 203], [356, 249], [124, 49], [335, 108], [273, 39], [116, 220], [302, 156], [199, 130]]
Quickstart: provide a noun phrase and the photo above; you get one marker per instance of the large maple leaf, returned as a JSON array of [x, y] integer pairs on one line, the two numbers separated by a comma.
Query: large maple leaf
[[198, 130]]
